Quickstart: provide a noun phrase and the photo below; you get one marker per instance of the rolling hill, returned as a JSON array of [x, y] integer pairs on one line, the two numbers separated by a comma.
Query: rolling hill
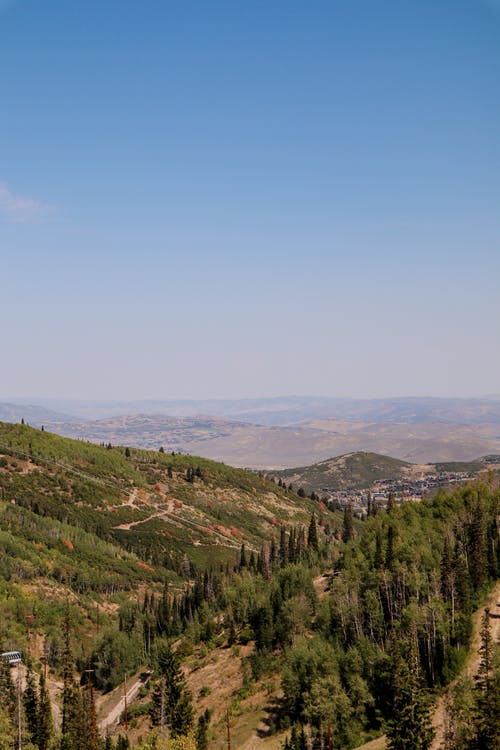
[[160, 506], [289, 410], [360, 470], [256, 446], [351, 471]]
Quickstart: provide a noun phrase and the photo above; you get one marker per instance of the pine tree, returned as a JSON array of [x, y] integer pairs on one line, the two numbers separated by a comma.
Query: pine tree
[[292, 547], [409, 727], [479, 546], [272, 552], [283, 551], [201, 731], [30, 703], [251, 562], [75, 736], [347, 524], [7, 732], [73, 724], [378, 560], [447, 571], [92, 732], [243, 558], [171, 699], [7, 690], [312, 535], [488, 699], [389, 553], [44, 723], [181, 715]]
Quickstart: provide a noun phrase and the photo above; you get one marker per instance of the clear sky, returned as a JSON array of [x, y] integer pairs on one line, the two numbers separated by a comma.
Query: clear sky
[[225, 198]]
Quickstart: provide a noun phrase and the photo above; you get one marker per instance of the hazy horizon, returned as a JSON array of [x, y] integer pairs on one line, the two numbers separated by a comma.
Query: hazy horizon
[[40, 399]]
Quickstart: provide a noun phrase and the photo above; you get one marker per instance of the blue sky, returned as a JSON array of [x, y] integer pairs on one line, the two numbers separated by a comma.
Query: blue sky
[[228, 198]]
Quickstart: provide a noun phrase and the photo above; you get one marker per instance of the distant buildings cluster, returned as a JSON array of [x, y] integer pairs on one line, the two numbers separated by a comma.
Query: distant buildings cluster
[[402, 489]]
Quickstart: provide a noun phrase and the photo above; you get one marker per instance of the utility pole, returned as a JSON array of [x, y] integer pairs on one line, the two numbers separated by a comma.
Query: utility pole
[[162, 703], [43, 659], [125, 699], [19, 710], [228, 731], [92, 723]]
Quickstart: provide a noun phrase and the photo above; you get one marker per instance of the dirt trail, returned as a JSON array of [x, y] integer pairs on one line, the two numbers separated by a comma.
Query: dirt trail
[[322, 585], [471, 667], [128, 526], [169, 513]]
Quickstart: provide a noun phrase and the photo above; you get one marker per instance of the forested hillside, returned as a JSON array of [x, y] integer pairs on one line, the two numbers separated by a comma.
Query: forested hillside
[[118, 561]]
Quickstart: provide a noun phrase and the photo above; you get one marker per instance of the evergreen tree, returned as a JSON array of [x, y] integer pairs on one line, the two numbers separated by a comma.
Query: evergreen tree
[[272, 552], [312, 535], [202, 730], [243, 558], [75, 735], [479, 545], [389, 553], [488, 698], [92, 732], [44, 722], [171, 699], [7, 731], [30, 703], [283, 550], [378, 560], [181, 714], [409, 727], [447, 572], [292, 547], [73, 724], [7, 690], [347, 524], [262, 623]]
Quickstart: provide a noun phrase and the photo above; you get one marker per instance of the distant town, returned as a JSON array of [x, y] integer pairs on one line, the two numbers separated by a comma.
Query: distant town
[[402, 489]]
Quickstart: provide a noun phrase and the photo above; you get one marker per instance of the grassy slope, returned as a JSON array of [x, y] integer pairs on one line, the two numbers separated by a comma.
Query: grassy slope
[[62, 500]]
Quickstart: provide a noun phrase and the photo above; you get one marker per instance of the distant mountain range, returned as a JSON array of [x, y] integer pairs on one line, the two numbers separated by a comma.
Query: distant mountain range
[[31, 413], [282, 432], [288, 410]]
